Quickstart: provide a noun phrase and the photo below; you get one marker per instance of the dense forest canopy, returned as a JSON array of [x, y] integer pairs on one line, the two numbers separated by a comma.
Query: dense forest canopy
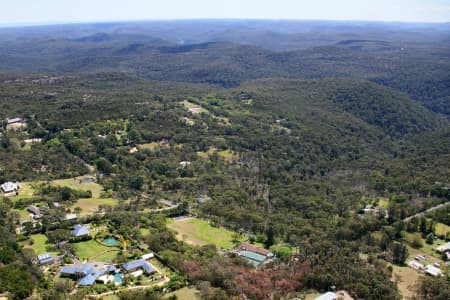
[[283, 133]]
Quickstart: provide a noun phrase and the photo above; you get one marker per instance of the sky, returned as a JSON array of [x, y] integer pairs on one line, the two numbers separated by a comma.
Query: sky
[[70, 11]]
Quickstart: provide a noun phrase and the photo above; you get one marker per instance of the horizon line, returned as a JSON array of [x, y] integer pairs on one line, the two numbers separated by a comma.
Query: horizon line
[[91, 22]]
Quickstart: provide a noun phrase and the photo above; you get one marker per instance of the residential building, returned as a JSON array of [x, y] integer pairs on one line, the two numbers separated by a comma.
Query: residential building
[[80, 230], [443, 248], [85, 274], [35, 211], [140, 264], [254, 254], [10, 189], [15, 123]]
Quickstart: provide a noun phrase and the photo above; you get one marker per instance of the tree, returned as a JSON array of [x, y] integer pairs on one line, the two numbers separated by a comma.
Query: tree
[[270, 237], [433, 288], [430, 238], [399, 253]]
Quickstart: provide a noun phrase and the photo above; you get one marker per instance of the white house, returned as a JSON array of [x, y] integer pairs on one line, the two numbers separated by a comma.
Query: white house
[[9, 188]]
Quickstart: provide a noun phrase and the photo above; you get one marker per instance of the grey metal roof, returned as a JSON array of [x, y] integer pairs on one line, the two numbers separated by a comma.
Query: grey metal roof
[[138, 264], [80, 230]]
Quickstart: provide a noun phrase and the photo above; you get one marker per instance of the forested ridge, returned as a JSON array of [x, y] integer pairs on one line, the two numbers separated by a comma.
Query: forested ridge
[[287, 147]]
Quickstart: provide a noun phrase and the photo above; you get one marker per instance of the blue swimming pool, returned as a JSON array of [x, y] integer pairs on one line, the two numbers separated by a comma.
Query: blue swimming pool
[[118, 278], [110, 241]]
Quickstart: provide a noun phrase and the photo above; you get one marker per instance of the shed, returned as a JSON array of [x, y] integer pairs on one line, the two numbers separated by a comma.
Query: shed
[[327, 296], [44, 258], [148, 256]]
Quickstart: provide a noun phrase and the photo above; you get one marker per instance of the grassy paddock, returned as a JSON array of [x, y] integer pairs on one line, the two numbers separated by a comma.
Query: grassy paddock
[[442, 229], [407, 278], [90, 206], [200, 232], [41, 245]]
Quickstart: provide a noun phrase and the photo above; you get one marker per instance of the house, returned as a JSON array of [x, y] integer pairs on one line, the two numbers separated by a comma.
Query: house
[[254, 258], [10, 189], [80, 230], [139, 264], [327, 296], [249, 247], [433, 271], [76, 271], [44, 258], [254, 254], [15, 123], [35, 211], [85, 274], [443, 248]]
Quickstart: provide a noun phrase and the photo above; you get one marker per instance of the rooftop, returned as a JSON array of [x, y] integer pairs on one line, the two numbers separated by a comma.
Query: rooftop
[[444, 247], [138, 264], [253, 248], [80, 230], [9, 187], [327, 296]]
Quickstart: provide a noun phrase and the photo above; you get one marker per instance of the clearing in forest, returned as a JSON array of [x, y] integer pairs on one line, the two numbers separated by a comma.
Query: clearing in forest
[[200, 232]]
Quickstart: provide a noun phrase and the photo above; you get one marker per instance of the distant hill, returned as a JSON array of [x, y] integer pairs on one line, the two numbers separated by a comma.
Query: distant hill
[[413, 58]]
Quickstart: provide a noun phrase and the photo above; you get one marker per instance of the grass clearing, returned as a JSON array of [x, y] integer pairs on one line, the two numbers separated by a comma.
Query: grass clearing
[[41, 245], [383, 202], [442, 229], [185, 293], [94, 251], [407, 278], [194, 108], [200, 232], [426, 249], [90, 206], [77, 183], [25, 192], [227, 155]]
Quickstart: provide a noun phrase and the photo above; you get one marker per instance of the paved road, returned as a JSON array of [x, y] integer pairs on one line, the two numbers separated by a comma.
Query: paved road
[[426, 211]]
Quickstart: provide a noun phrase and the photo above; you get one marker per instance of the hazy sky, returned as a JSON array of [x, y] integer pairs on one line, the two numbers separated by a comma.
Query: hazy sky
[[61, 11]]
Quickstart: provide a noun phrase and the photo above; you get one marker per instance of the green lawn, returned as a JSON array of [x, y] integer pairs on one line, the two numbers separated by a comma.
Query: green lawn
[[185, 294], [199, 232], [95, 251], [41, 245]]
